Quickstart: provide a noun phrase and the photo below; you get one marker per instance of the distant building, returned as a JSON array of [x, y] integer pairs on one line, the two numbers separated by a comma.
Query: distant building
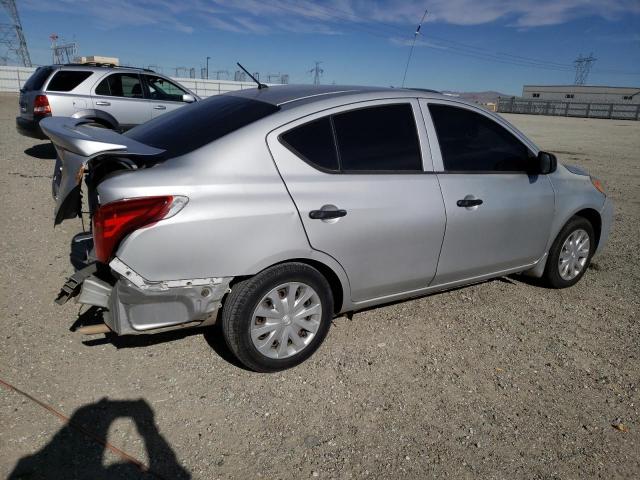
[[582, 93]]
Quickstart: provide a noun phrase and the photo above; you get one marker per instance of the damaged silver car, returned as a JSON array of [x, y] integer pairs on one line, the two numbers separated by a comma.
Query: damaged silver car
[[273, 210]]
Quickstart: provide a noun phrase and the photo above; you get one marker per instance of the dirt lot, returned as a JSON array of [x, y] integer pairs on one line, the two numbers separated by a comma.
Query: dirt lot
[[498, 380]]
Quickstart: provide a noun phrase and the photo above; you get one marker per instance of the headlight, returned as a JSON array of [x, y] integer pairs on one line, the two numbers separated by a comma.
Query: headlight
[[598, 184]]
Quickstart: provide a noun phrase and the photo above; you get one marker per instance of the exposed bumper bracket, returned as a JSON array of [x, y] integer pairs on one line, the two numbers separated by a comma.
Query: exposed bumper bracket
[[72, 286]]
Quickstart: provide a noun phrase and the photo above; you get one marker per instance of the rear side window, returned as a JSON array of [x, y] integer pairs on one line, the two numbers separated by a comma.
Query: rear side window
[[313, 142], [37, 79], [472, 142], [67, 80], [382, 138], [197, 124], [121, 85]]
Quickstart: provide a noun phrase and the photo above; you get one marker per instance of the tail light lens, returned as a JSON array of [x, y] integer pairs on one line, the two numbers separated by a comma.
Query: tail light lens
[[41, 105], [114, 221]]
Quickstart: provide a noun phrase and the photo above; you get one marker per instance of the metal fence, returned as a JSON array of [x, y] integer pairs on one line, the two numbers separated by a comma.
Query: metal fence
[[12, 79], [569, 109]]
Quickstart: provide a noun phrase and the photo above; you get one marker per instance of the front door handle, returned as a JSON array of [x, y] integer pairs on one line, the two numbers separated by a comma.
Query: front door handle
[[326, 214], [469, 202], [160, 107], [103, 103]]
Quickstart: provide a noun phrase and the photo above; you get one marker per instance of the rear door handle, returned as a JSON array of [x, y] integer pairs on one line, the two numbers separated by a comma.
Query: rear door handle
[[469, 202], [160, 107], [102, 102], [326, 214]]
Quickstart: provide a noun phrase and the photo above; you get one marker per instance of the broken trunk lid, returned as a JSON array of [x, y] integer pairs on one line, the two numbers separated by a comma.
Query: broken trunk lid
[[76, 145]]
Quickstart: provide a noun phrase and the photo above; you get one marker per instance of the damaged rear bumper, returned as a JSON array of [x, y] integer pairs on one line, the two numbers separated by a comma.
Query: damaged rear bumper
[[136, 306]]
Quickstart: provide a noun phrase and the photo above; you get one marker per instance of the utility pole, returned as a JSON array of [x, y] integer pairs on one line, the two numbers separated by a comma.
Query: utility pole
[[317, 72], [583, 68], [12, 37], [208, 58]]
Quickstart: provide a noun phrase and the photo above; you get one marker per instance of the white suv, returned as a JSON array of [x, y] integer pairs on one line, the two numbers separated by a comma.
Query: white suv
[[113, 97]]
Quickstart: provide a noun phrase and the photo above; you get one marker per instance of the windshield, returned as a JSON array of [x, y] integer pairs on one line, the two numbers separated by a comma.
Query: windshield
[[193, 126]]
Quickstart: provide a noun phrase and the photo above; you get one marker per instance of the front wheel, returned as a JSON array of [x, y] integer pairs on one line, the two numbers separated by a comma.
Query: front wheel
[[278, 318], [570, 254]]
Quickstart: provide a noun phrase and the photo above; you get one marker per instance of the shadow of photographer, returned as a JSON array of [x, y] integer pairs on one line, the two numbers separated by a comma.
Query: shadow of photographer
[[77, 450]]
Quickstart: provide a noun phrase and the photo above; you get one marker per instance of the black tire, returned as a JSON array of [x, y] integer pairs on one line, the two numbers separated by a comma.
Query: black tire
[[239, 306], [551, 277]]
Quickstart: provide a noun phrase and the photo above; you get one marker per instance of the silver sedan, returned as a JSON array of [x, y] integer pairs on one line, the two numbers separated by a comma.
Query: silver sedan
[[271, 211]]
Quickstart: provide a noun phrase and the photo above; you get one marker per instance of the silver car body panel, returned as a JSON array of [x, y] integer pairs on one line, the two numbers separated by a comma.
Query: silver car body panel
[[250, 196], [394, 222]]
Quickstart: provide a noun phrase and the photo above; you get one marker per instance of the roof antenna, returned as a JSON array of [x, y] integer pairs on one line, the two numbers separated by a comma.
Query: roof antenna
[[260, 85], [415, 37]]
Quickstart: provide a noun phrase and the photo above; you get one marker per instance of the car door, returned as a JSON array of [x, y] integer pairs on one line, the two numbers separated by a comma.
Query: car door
[[498, 215], [357, 176], [122, 96], [164, 95]]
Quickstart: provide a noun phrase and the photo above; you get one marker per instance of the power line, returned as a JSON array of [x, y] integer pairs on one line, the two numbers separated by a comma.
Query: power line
[[436, 42]]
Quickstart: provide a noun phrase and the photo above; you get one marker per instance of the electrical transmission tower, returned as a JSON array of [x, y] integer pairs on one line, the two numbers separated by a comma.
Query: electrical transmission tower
[[62, 53], [13, 45], [317, 72], [583, 67]]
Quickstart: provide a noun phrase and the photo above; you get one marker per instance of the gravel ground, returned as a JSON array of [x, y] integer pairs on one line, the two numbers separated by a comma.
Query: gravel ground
[[498, 380]]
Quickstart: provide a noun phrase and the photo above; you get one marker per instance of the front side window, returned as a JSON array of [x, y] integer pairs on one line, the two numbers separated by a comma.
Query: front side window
[[121, 85], [162, 89], [67, 80], [472, 142]]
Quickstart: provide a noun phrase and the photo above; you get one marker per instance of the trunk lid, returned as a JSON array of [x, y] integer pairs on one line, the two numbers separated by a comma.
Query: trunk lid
[[80, 148]]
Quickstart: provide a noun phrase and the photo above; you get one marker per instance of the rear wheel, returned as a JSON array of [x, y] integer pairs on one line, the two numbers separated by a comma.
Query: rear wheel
[[278, 318], [570, 254]]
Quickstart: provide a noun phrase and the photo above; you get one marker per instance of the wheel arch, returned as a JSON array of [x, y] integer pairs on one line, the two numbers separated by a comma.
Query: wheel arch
[[98, 116], [594, 218], [338, 282]]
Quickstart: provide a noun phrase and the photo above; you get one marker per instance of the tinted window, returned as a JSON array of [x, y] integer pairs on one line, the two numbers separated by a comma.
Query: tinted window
[[380, 138], [162, 89], [313, 141], [197, 124], [472, 142], [121, 85], [67, 80], [37, 79]]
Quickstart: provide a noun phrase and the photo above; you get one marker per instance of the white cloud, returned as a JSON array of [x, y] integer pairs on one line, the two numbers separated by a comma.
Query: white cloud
[[330, 16]]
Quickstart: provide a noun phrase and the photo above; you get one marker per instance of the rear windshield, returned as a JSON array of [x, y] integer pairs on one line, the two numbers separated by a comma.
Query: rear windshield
[[193, 126], [37, 79], [67, 80]]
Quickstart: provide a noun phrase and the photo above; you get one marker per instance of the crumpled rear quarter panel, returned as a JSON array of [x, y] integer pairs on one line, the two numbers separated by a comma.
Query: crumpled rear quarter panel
[[239, 219]]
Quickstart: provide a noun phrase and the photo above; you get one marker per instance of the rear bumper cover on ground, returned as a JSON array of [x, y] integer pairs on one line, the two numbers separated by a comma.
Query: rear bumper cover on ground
[[136, 306]]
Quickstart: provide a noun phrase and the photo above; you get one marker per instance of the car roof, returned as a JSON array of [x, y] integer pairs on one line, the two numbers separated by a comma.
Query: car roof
[[289, 96], [97, 67]]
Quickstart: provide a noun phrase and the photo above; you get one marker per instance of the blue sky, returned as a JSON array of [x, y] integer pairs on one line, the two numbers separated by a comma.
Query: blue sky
[[466, 45]]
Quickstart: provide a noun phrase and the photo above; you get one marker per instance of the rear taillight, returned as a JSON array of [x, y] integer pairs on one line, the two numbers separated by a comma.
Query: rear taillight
[[41, 105], [114, 221]]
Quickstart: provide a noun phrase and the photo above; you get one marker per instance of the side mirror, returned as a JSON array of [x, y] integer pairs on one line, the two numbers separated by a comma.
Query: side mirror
[[188, 98], [547, 163]]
